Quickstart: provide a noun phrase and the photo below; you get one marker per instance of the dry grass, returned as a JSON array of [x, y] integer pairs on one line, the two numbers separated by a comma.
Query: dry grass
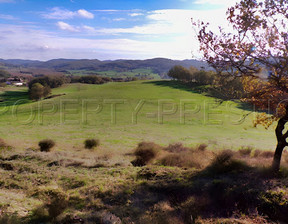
[[145, 153], [190, 158], [2, 143], [187, 187]]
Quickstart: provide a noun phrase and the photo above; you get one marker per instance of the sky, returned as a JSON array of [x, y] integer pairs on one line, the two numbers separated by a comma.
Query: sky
[[106, 29]]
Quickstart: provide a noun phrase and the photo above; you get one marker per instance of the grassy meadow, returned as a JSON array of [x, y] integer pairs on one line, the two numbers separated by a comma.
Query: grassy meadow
[[197, 153], [148, 73], [123, 114]]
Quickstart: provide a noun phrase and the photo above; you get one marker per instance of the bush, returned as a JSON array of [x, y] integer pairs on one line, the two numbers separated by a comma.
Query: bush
[[224, 163], [176, 147], [91, 143], [191, 158], [46, 145], [187, 159], [267, 154], [51, 81], [201, 147], [245, 151], [2, 143], [38, 91], [145, 152]]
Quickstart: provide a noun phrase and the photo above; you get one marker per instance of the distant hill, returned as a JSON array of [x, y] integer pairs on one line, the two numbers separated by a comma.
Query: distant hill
[[157, 65]]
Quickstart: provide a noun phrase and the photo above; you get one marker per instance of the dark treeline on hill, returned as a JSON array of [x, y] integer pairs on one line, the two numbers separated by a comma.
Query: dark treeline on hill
[[158, 65], [222, 86]]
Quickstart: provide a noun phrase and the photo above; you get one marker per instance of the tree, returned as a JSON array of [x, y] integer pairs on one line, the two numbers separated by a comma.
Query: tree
[[51, 81], [4, 74], [180, 73], [259, 40], [38, 91]]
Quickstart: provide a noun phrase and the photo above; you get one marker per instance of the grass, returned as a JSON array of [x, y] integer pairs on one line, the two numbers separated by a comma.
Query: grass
[[147, 73], [40, 192], [145, 111], [188, 176]]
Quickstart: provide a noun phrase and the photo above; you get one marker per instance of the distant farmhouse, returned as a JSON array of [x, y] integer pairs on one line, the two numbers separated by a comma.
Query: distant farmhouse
[[15, 81]]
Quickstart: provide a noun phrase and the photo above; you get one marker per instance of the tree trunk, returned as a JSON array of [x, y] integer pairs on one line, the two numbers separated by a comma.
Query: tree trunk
[[281, 142], [277, 157]]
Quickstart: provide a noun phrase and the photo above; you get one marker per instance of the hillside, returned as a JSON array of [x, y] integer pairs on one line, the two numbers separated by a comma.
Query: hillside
[[122, 114], [207, 153], [157, 65]]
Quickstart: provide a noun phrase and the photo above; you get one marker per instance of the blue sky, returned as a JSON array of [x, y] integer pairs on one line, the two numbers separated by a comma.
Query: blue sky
[[111, 29]]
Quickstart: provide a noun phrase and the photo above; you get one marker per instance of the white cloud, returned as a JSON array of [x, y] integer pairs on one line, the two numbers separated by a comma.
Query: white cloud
[[119, 19], [163, 33], [171, 22], [7, 17], [135, 14], [218, 2], [89, 28], [85, 14], [58, 13], [25, 43], [66, 26]]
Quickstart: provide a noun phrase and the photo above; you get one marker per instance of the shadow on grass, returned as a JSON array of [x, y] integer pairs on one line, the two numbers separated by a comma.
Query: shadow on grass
[[235, 190], [226, 190], [10, 98], [205, 90]]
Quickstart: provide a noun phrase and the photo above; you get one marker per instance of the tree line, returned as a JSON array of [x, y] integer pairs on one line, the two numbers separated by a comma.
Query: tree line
[[225, 86]]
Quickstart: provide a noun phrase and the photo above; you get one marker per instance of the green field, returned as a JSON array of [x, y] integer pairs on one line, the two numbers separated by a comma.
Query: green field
[[147, 73], [124, 114], [102, 186]]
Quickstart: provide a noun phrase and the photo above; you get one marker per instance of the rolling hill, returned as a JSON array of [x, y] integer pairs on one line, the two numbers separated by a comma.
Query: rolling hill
[[158, 65]]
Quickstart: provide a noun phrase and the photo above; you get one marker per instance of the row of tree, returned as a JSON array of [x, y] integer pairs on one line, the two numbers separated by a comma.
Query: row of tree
[[192, 74], [226, 86]]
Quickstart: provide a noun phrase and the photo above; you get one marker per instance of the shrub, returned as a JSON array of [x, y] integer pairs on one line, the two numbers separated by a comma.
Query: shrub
[[176, 147], [91, 143], [52, 81], [38, 91], [46, 145], [187, 159], [267, 154], [224, 162], [245, 151], [2, 143], [201, 147], [256, 153], [190, 159], [145, 152]]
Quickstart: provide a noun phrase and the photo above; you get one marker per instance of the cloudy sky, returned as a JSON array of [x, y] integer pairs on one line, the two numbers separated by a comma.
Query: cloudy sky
[[106, 29]]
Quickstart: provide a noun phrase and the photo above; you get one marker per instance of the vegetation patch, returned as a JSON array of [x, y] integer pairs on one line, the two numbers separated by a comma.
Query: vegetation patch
[[91, 143], [46, 145], [145, 153]]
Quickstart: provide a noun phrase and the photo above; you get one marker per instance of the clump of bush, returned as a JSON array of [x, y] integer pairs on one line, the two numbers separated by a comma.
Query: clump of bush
[[46, 145], [201, 147], [263, 153], [224, 162], [145, 153], [91, 143], [2, 143], [187, 159], [176, 148], [245, 151], [191, 158]]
